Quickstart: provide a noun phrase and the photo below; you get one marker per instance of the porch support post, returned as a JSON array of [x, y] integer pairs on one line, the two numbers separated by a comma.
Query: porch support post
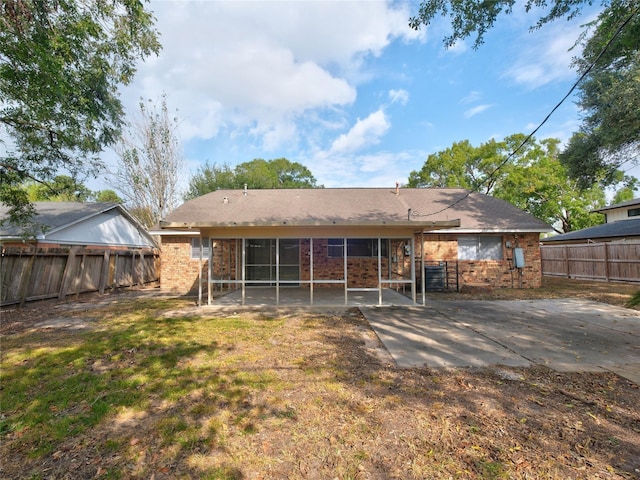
[[277, 271], [244, 241], [346, 282], [200, 274], [210, 272], [379, 271], [311, 270], [423, 286], [413, 268], [237, 263]]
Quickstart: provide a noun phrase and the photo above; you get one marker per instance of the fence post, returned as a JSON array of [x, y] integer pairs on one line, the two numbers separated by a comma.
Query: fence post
[[115, 272], [606, 261], [24, 281], [104, 273], [134, 269], [80, 276], [566, 260], [69, 268]]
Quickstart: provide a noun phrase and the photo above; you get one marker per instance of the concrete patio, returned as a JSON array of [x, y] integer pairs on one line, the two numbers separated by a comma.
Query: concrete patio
[[570, 335], [299, 297]]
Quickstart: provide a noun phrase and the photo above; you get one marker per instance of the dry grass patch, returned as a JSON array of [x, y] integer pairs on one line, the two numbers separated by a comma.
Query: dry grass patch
[[557, 287], [148, 392]]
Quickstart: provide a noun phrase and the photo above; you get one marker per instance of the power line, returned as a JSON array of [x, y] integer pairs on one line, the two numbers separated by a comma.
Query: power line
[[535, 130]]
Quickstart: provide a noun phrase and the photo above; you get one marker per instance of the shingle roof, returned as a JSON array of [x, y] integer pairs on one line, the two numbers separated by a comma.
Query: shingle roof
[[628, 203], [55, 215], [352, 206], [614, 230]]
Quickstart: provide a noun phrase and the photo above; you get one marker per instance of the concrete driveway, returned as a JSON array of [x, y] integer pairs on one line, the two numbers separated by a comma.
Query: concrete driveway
[[563, 334]]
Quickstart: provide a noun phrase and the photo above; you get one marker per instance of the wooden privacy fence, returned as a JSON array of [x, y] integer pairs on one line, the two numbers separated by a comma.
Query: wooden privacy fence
[[40, 273], [593, 261]]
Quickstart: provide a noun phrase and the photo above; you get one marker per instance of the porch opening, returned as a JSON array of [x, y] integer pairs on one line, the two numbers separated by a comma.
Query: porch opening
[[354, 265]]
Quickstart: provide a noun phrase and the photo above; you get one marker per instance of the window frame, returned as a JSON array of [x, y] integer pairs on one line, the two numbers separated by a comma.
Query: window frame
[[335, 245], [194, 253], [485, 248]]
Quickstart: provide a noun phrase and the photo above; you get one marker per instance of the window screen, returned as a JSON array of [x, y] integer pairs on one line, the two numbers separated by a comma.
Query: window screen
[[356, 247], [481, 247], [195, 248]]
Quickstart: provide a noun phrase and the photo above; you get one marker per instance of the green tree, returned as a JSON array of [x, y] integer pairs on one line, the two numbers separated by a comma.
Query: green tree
[[610, 62], [61, 63], [149, 163], [256, 174], [210, 178], [533, 179], [448, 168], [62, 188], [479, 16], [107, 196], [475, 168], [609, 97], [545, 190], [277, 173]]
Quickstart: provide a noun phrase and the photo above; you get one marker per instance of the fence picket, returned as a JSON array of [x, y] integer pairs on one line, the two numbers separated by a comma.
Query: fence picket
[[593, 261], [40, 273]]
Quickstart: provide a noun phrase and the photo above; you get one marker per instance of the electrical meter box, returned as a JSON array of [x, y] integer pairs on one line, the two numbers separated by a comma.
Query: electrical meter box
[[518, 257]]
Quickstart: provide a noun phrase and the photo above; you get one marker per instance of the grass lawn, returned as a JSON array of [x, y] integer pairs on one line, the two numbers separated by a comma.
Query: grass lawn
[[153, 388]]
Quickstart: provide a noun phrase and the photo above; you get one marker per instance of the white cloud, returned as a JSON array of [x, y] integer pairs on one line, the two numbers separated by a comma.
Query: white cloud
[[472, 112], [548, 59], [401, 96], [382, 169], [364, 133], [458, 48], [473, 96], [262, 65]]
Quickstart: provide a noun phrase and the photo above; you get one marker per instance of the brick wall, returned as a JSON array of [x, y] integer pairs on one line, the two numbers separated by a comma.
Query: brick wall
[[495, 273], [362, 272], [179, 273]]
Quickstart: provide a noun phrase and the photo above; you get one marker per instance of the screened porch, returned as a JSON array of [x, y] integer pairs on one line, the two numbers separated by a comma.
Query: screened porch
[[316, 271]]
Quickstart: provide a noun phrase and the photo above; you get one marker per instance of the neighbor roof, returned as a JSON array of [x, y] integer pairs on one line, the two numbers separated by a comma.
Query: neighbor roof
[[628, 203], [615, 230], [51, 216], [354, 206], [54, 217]]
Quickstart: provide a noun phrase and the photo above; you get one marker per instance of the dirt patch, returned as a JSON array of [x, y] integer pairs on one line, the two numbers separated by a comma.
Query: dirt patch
[[554, 287], [307, 396], [54, 313]]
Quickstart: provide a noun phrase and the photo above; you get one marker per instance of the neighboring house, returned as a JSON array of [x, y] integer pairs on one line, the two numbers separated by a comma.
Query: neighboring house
[[622, 225], [617, 231], [607, 252], [72, 248], [354, 239], [621, 211], [75, 223]]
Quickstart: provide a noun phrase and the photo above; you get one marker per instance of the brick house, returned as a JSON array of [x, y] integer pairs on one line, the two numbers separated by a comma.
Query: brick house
[[354, 239]]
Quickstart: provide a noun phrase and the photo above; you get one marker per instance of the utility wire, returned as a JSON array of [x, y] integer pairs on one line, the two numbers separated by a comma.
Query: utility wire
[[526, 140]]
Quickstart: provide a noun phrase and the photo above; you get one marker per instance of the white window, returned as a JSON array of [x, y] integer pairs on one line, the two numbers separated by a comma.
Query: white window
[[480, 247], [195, 248], [356, 247]]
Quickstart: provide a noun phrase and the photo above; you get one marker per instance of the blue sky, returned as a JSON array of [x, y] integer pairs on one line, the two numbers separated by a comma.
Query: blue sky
[[345, 87]]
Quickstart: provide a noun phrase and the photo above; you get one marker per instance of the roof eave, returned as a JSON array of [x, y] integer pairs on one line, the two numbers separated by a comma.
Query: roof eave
[[58, 228], [498, 230], [196, 226]]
